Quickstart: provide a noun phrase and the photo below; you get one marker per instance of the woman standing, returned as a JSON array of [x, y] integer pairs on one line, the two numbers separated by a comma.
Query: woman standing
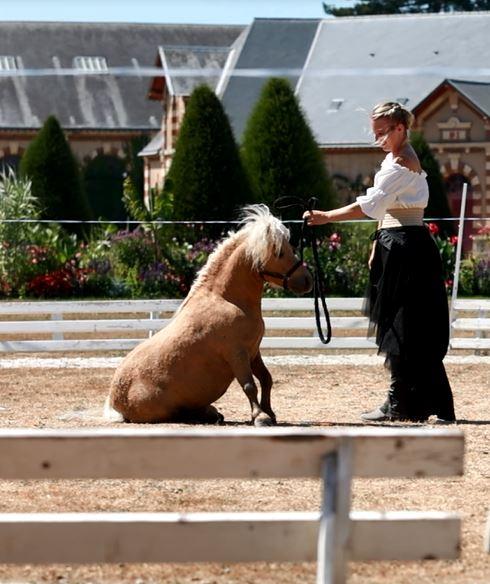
[[406, 301]]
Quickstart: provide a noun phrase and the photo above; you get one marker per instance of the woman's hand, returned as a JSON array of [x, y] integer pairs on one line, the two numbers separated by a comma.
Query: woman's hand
[[316, 217]]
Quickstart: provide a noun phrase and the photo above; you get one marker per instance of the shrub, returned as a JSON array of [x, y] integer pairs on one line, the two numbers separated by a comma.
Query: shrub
[[279, 151], [438, 205], [206, 179], [51, 166], [25, 249]]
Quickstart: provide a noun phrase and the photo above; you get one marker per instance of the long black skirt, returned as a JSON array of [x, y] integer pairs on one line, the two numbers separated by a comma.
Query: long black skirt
[[408, 312]]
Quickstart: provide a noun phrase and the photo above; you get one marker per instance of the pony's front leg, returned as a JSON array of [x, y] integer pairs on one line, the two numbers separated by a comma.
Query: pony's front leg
[[262, 374], [240, 364]]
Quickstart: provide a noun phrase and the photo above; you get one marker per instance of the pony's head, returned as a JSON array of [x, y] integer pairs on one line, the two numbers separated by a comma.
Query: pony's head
[[269, 250]]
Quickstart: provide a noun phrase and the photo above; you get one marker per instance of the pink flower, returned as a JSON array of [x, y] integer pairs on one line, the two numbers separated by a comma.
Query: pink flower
[[335, 238], [433, 228]]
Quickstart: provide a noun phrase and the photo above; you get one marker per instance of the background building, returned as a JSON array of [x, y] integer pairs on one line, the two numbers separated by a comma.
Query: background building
[[102, 111], [435, 64]]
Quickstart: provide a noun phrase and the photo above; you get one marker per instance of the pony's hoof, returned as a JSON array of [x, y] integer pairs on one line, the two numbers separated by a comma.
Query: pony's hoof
[[263, 420]]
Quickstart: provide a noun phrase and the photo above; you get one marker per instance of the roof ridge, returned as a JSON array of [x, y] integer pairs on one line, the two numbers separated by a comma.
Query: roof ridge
[[121, 23], [408, 15], [450, 80]]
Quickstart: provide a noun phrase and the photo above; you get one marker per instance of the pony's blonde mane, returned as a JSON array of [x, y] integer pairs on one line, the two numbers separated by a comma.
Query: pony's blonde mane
[[263, 235]]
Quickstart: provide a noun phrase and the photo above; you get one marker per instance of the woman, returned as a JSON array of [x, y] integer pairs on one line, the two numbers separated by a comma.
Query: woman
[[406, 301]]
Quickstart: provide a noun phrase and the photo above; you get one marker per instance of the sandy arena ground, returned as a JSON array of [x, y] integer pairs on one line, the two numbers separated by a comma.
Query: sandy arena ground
[[304, 395]]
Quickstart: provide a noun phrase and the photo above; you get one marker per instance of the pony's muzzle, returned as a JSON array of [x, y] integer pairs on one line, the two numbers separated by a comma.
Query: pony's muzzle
[[301, 282]]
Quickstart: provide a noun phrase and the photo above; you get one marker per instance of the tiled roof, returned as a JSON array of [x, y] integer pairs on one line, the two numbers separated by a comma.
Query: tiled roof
[[88, 102], [350, 64]]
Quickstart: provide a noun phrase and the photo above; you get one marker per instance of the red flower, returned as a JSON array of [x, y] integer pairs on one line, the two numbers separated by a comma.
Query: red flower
[[453, 240], [433, 228]]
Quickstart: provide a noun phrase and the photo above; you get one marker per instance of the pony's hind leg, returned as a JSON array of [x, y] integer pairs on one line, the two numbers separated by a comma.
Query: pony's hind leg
[[242, 370], [265, 378], [205, 415]]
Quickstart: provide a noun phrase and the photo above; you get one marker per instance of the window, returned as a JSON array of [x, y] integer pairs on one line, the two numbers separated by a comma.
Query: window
[[90, 63], [8, 63], [335, 104], [454, 130]]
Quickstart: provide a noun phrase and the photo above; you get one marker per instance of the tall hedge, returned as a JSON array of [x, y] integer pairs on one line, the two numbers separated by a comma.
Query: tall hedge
[[438, 204], [279, 152], [56, 180], [206, 178]]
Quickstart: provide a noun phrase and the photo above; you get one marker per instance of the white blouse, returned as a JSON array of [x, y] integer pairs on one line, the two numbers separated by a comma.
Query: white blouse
[[395, 187]]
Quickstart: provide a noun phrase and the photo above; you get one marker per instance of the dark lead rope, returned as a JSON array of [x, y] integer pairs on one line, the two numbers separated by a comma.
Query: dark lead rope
[[307, 238]]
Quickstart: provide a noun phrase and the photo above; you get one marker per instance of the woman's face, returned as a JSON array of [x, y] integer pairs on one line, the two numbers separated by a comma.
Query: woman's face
[[388, 135]]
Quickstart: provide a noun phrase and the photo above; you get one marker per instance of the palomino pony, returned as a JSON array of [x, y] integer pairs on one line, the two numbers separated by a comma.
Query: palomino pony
[[215, 335]]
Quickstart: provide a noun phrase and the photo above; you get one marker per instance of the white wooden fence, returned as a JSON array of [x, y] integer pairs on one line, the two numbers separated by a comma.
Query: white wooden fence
[[334, 535], [99, 326]]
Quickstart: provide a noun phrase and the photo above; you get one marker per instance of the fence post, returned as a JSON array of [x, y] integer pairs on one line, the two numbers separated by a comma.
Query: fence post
[[457, 262], [57, 336], [153, 316], [334, 529]]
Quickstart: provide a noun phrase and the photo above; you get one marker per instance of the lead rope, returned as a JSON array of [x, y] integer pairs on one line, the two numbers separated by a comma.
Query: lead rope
[[307, 238]]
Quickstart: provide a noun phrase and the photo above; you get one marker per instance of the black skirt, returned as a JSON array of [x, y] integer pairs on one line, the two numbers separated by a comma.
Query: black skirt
[[408, 311], [406, 302]]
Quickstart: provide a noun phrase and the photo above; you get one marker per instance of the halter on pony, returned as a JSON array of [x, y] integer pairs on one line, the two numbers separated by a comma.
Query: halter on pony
[[284, 277]]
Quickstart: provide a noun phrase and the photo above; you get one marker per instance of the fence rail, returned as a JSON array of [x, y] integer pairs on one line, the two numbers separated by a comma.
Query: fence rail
[[42, 326], [334, 535]]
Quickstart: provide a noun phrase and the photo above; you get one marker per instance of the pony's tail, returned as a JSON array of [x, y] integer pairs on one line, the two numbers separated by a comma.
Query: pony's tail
[[110, 414]]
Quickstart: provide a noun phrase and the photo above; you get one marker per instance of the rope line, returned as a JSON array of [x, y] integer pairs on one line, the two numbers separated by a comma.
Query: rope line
[[203, 222], [132, 71]]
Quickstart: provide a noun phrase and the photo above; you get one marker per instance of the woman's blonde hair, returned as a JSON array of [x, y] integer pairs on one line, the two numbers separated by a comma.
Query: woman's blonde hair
[[395, 112]]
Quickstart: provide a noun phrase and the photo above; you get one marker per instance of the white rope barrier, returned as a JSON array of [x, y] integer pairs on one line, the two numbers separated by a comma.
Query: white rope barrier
[[132, 71], [207, 222]]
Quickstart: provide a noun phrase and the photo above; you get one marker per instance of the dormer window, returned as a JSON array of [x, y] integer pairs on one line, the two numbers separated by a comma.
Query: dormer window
[[8, 63], [90, 63], [335, 104]]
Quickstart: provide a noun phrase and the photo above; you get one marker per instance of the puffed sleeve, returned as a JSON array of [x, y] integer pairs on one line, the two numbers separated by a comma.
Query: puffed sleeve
[[388, 182]]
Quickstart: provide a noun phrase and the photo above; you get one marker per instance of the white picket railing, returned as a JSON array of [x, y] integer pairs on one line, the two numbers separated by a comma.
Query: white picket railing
[[334, 535], [63, 325]]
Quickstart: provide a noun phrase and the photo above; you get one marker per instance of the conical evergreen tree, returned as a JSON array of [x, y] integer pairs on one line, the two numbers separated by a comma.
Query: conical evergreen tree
[[438, 204], [206, 179], [279, 151], [56, 181]]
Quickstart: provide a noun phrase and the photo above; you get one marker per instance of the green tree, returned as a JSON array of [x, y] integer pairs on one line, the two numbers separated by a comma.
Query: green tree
[[279, 151], [206, 180], [438, 204], [56, 181], [366, 7]]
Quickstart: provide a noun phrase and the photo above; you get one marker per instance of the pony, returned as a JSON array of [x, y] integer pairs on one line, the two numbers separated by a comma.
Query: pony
[[214, 336]]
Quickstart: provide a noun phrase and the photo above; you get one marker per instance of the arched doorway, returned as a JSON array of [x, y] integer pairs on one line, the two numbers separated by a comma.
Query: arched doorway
[[103, 178]]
